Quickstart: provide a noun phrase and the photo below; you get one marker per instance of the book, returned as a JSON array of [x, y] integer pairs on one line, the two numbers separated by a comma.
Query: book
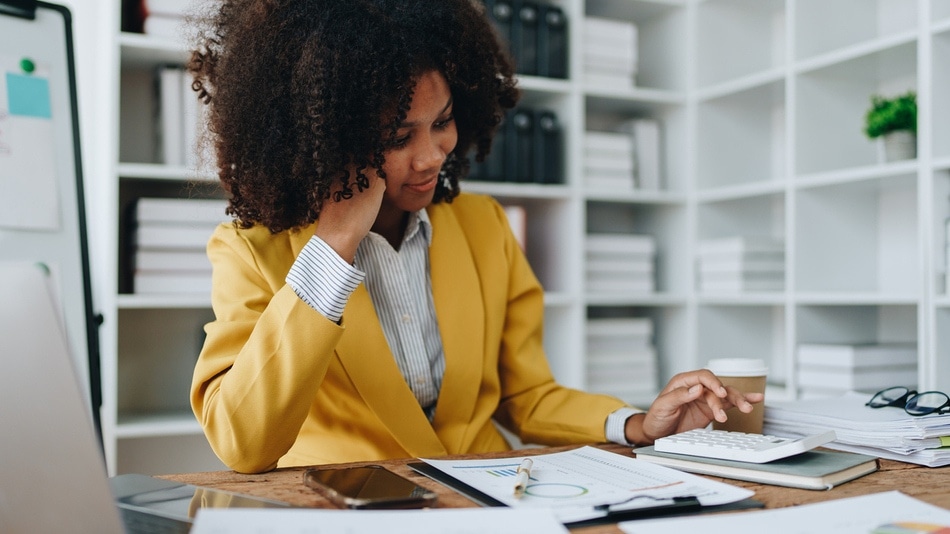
[[870, 379], [857, 355], [741, 245], [169, 115], [816, 469], [174, 236], [183, 210], [172, 282]]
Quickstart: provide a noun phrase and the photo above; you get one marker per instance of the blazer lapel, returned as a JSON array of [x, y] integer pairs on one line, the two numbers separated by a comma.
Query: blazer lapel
[[456, 291]]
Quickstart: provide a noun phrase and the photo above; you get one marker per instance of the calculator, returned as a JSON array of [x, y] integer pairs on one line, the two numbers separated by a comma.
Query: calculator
[[739, 446]]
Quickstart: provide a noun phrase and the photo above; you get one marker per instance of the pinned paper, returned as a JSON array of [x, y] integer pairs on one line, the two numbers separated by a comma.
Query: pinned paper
[[29, 197]]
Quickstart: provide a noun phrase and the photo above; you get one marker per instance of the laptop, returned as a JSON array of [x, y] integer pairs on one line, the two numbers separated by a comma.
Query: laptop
[[53, 476]]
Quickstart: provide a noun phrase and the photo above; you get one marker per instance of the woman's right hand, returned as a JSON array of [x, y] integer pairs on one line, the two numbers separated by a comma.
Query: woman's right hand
[[344, 223]]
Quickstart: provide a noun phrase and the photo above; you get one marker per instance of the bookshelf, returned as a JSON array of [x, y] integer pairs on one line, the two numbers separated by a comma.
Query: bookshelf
[[750, 96]]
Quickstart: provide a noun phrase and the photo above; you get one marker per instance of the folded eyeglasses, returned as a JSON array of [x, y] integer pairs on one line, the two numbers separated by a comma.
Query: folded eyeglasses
[[914, 403]]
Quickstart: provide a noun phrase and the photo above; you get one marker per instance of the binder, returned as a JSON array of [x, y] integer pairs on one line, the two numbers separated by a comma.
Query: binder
[[552, 42], [501, 13], [493, 168], [524, 37], [547, 148], [519, 146]]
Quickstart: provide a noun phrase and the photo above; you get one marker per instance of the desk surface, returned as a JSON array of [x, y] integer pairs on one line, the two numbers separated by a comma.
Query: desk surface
[[927, 484]]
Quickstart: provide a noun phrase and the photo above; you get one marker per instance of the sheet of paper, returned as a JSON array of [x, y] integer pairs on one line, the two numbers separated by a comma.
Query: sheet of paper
[[433, 521], [27, 158], [889, 512], [573, 482]]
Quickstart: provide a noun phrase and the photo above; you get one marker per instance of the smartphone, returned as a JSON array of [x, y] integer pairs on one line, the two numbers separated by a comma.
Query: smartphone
[[366, 487]]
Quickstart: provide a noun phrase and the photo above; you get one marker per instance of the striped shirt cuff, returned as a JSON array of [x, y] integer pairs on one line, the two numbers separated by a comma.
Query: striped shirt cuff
[[323, 280], [616, 421]]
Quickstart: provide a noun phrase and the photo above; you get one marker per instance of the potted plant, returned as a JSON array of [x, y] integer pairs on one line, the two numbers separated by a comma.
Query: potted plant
[[894, 120]]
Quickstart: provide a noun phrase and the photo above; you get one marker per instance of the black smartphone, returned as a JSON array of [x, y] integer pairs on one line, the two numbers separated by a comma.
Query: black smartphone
[[366, 487]]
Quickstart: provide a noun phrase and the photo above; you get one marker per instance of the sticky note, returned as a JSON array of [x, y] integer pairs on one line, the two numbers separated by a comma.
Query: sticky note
[[28, 96]]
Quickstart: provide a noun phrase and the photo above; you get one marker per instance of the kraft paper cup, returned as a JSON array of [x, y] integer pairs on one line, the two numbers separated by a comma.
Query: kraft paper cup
[[748, 376]]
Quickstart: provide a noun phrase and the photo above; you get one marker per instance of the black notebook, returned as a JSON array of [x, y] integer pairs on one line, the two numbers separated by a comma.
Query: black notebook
[[816, 469]]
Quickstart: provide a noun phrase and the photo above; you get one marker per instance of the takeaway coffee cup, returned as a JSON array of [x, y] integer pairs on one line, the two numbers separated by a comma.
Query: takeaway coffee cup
[[748, 376]]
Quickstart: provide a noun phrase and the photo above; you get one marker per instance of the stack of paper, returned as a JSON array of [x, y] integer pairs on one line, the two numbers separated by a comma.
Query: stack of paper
[[621, 358], [646, 142], [620, 263], [741, 263], [170, 238], [610, 53], [609, 160], [886, 432], [831, 369]]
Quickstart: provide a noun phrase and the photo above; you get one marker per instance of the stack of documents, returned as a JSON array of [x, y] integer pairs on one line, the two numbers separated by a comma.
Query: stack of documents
[[621, 359], [610, 53], [170, 236], [741, 263], [620, 263], [609, 160], [885, 432]]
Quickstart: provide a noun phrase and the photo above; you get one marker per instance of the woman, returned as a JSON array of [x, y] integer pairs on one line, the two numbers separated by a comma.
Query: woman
[[364, 307]]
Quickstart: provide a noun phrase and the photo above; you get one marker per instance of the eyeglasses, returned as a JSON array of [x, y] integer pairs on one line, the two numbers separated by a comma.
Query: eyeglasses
[[926, 403]]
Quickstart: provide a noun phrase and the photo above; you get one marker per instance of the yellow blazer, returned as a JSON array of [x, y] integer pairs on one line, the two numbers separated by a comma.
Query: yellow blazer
[[279, 384]]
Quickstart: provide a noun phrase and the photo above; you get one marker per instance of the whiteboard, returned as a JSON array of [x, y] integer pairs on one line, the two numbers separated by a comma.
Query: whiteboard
[[42, 212]]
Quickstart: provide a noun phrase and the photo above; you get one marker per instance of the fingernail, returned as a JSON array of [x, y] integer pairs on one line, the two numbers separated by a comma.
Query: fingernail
[[694, 389], [722, 391]]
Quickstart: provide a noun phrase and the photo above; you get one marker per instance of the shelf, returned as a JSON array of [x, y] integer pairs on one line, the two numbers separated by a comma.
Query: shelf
[[761, 105], [141, 425]]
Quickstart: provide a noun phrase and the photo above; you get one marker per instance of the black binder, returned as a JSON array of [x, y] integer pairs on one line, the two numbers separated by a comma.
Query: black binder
[[519, 146], [501, 13], [548, 166], [552, 42], [524, 37]]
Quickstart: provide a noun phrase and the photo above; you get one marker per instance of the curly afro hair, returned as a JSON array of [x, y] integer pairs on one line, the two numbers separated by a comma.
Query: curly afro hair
[[301, 90]]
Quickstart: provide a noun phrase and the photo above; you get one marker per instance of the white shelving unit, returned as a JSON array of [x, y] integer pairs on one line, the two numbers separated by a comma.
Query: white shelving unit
[[761, 104]]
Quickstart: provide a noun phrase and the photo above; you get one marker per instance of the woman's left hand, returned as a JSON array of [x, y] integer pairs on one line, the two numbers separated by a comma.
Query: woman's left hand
[[690, 400]]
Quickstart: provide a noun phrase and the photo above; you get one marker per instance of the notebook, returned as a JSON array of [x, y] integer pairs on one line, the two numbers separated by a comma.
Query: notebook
[[53, 476], [817, 469]]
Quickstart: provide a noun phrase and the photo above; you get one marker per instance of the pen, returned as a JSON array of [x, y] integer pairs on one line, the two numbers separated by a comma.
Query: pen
[[521, 480]]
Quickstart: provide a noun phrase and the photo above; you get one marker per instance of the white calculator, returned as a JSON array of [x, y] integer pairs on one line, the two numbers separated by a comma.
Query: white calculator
[[739, 446]]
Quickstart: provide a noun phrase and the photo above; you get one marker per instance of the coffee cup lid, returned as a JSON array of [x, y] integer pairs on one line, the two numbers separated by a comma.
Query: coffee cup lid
[[737, 367]]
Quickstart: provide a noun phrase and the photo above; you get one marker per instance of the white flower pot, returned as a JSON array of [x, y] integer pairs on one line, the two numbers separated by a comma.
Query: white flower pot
[[898, 146]]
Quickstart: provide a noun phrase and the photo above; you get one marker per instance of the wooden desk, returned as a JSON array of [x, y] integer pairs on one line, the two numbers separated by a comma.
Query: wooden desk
[[927, 484]]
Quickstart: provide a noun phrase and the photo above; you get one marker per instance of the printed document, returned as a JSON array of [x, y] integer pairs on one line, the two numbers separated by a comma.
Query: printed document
[[574, 482]]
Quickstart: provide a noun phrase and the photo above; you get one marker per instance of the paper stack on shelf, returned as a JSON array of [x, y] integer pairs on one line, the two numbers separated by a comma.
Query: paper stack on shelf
[[620, 263], [609, 160], [610, 53], [169, 244], [826, 369], [621, 358], [741, 263], [646, 142], [178, 120], [884, 432]]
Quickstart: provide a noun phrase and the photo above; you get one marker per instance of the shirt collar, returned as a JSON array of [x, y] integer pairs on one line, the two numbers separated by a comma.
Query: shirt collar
[[419, 222]]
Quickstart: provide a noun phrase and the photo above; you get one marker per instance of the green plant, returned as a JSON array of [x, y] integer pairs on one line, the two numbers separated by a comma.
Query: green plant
[[891, 114]]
